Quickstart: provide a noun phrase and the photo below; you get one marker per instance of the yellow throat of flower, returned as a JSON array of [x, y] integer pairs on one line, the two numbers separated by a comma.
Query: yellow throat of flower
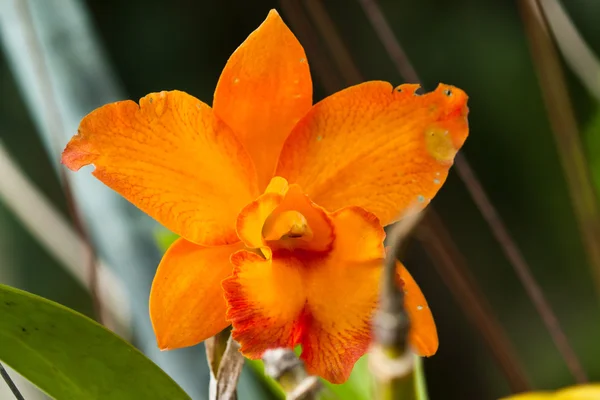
[[287, 225]]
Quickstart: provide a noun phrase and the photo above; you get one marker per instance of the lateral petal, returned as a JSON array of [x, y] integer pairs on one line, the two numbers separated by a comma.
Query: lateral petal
[[172, 158], [375, 147], [263, 92], [423, 332], [187, 304]]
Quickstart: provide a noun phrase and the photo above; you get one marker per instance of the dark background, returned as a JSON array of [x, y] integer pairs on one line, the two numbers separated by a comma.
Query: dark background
[[477, 45]]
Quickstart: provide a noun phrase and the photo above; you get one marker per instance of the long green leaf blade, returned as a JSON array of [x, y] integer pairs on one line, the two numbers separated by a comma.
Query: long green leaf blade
[[69, 356]]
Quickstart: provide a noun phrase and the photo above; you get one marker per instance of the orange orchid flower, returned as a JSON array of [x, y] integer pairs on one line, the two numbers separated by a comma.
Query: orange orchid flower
[[279, 203]]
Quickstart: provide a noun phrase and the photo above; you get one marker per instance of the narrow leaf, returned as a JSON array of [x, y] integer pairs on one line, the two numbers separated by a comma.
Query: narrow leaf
[[69, 356]]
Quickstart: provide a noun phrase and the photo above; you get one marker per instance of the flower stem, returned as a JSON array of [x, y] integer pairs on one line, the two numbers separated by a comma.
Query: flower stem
[[287, 369], [225, 363]]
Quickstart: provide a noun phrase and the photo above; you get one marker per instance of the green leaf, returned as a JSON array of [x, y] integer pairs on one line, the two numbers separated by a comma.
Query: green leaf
[[69, 356]]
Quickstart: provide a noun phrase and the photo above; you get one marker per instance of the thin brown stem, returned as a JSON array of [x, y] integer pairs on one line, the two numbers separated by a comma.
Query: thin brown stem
[[340, 55], [522, 269], [566, 133], [564, 125], [11, 384], [484, 204], [453, 269], [387, 37]]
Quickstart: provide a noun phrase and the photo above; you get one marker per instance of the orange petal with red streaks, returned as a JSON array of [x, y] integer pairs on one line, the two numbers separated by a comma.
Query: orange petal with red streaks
[[323, 301], [186, 301], [171, 157], [263, 92], [375, 147], [265, 299], [342, 294]]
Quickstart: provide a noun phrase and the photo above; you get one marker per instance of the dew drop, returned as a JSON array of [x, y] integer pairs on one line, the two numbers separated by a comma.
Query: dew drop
[[319, 138], [420, 198], [303, 60], [236, 80], [436, 181], [419, 307]]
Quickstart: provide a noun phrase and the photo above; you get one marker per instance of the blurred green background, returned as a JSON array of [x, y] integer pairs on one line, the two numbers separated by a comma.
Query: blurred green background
[[477, 45]]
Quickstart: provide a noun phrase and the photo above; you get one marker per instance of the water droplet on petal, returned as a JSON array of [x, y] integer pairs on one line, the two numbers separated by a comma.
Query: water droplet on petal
[[436, 181], [319, 138], [420, 198], [419, 307], [236, 80]]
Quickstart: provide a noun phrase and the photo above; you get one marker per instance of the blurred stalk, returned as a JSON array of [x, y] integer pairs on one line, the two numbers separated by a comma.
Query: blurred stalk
[[575, 50], [47, 225], [496, 339], [288, 370], [483, 202], [225, 363], [390, 359], [63, 74], [564, 125]]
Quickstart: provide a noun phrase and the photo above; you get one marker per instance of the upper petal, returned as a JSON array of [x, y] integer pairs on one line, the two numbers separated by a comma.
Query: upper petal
[[171, 157], [375, 147], [186, 301], [263, 92]]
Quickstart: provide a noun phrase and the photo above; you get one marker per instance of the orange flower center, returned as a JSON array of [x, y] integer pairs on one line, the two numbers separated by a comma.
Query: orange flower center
[[284, 218], [287, 225]]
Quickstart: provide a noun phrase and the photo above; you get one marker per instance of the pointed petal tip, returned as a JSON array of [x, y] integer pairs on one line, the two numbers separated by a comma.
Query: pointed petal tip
[[273, 13], [76, 154]]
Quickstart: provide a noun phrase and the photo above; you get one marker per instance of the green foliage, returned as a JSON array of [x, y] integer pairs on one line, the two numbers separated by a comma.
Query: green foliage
[[591, 135], [69, 356]]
